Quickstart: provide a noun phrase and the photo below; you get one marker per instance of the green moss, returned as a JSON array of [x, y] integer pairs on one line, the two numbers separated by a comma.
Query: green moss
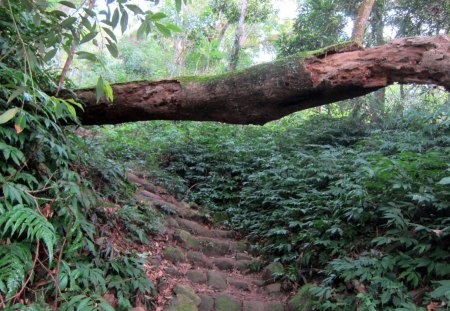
[[182, 303], [183, 290], [225, 303], [174, 254], [187, 239]]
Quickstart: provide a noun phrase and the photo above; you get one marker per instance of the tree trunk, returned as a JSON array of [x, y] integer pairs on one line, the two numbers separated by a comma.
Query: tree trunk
[[377, 105], [270, 91], [237, 40], [361, 21]]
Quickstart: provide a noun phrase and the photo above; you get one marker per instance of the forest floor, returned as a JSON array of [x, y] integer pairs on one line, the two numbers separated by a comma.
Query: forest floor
[[198, 266]]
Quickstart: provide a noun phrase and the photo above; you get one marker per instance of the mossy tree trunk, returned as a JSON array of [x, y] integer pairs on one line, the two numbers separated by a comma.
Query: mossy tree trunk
[[270, 91]]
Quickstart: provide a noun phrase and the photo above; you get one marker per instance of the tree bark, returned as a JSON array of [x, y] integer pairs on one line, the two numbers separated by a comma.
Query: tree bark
[[270, 91], [361, 21]]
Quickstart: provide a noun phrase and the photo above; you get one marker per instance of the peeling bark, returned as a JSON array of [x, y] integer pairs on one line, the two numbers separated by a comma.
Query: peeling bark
[[270, 91]]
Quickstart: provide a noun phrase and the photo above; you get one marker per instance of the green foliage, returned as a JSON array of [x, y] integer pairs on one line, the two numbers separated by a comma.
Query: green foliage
[[319, 24], [20, 220], [54, 185], [356, 201], [14, 263]]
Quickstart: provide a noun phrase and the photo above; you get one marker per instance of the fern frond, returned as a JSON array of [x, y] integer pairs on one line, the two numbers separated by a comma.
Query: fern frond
[[15, 261], [86, 303], [26, 220]]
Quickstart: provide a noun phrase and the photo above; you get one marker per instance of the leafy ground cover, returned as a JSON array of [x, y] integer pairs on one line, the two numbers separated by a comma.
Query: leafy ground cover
[[358, 208]]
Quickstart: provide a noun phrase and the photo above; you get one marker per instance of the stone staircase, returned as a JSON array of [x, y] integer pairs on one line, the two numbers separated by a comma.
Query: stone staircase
[[208, 266]]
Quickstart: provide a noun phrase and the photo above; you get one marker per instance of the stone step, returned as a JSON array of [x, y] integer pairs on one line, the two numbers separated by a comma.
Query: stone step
[[227, 302], [230, 264], [200, 230], [208, 246], [180, 210]]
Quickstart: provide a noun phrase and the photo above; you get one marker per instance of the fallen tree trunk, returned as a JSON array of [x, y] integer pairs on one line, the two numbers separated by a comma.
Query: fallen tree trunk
[[270, 91]]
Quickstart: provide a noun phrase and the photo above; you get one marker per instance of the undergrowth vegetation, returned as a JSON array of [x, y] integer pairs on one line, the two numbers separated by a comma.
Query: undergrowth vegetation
[[59, 244], [358, 208]]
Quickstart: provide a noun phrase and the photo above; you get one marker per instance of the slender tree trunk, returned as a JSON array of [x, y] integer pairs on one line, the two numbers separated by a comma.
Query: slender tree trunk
[[270, 91], [223, 29], [72, 50], [237, 40], [377, 106], [361, 21]]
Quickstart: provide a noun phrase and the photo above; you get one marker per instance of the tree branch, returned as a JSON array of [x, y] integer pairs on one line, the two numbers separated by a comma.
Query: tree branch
[[270, 91]]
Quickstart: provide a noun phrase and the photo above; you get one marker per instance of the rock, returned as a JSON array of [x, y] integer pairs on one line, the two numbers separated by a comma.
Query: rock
[[269, 271], [242, 265], [243, 256], [274, 288], [217, 280], [196, 276], [227, 303], [224, 263], [274, 306], [258, 283], [239, 284], [240, 246], [155, 260], [173, 272], [207, 303], [161, 284], [181, 303], [174, 254], [217, 233], [187, 240], [262, 306], [188, 292], [193, 227], [254, 306], [197, 259], [303, 300], [214, 247], [172, 222]]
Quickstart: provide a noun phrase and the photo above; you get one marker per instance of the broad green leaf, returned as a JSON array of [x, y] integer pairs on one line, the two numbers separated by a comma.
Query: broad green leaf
[[124, 21], [110, 33], [444, 181], [59, 14], [115, 18], [21, 124], [68, 22], [89, 12], [173, 27], [19, 91], [87, 55], [89, 37], [8, 115], [157, 16], [163, 29], [68, 4], [73, 102], [134, 8], [108, 91], [37, 19], [178, 5], [50, 54], [100, 89], [112, 48]]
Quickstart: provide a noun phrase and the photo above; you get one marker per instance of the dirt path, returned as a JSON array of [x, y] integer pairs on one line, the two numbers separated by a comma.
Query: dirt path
[[197, 266]]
